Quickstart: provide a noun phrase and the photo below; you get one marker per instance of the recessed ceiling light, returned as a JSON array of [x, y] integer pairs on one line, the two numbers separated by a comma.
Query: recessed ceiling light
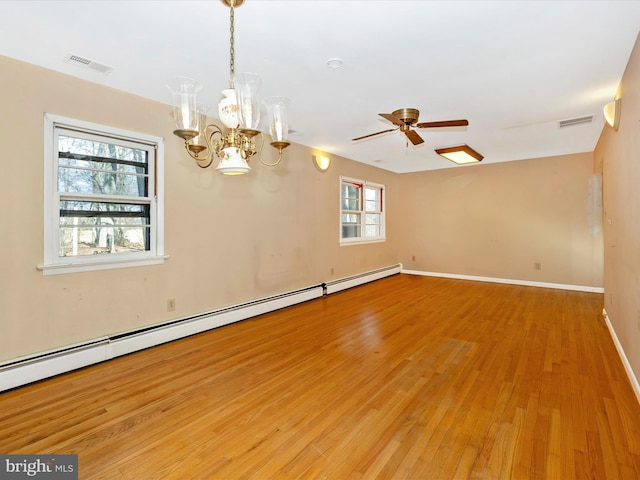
[[334, 63]]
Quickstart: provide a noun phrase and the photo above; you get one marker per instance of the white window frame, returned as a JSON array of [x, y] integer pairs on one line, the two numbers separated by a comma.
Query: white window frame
[[53, 262], [362, 212]]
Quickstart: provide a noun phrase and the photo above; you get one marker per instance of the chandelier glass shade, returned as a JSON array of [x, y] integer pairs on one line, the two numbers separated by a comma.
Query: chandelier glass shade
[[238, 111], [185, 110], [247, 86]]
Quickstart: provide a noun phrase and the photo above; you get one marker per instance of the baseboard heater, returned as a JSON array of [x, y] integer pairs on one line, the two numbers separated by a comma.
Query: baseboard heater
[[348, 282], [25, 370]]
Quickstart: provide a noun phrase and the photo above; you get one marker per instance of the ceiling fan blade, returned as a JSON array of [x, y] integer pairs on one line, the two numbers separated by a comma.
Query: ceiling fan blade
[[392, 118], [414, 137], [444, 123], [372, 134]]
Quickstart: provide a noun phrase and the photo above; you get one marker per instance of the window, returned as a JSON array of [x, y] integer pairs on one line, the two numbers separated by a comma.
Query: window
[[103, 197], [361, 211]]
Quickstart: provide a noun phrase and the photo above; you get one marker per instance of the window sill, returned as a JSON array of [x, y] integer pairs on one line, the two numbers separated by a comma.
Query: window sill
[[71, 267], [360, 241]]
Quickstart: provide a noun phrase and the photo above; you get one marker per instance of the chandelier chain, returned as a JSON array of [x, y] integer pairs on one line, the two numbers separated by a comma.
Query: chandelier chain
[[232, 65]]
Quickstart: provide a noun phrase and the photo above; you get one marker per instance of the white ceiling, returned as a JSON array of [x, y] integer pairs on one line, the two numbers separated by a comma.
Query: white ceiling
[[512, 68]]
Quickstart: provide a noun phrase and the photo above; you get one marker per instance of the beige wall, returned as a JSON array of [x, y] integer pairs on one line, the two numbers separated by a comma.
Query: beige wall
[[230, 239], [499, 220], [618, 155], [237, 239]]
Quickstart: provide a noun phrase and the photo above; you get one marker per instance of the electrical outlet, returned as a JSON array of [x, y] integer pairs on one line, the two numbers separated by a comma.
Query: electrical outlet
[[171, 304], [413, 258], [537, 266], [331, 270]]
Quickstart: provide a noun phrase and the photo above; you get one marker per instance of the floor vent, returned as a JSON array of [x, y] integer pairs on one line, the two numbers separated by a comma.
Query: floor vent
[[575, 121], [86, 63]]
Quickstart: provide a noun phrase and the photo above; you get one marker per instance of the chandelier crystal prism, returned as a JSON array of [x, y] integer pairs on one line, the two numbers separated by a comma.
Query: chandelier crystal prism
[[239, 112]]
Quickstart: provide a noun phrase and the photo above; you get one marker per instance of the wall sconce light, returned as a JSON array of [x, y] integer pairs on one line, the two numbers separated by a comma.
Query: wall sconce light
[[612, 113], [461, 154], [321, 162]]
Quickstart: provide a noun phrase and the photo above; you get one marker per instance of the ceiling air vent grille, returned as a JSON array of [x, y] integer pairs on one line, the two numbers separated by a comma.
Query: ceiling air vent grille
[[86, 63], [575, 121]]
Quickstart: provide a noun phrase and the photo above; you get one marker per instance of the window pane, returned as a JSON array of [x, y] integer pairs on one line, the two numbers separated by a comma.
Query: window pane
[[350, 218], [373, 225], [350, 204], [88, 228], [371, 193], [102, 239], [350, 231], [100, 182], [372, 231], [86, 166], [372, 219], [350, 197], [350, 191], [350, 225], [372, 199]]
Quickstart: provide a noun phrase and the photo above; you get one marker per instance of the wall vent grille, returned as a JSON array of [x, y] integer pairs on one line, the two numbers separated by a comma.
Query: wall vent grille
[[575, 121], [87, 63]]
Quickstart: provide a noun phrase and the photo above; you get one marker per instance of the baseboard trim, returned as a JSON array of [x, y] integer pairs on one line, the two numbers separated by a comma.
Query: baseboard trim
[[623, 356], [527, 283]]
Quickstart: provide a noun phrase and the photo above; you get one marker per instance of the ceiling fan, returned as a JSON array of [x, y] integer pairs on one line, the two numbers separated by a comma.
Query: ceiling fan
[[406, 118]]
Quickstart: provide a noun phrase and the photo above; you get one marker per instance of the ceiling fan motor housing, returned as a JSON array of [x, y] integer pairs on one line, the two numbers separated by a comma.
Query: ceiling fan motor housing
[[408, 115]]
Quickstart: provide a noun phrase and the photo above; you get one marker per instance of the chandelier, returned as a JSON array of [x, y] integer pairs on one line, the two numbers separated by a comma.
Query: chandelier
[[239, 111]]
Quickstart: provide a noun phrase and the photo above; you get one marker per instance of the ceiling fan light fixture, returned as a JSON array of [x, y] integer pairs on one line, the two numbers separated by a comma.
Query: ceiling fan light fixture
[[461, 154]]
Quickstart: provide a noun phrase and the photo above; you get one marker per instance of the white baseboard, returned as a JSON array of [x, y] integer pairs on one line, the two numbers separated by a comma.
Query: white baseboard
[[559, 286], [21, 371], [623, 356]]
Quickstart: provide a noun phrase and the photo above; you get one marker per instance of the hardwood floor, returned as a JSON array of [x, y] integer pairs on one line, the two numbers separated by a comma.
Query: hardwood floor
[[407, 377]]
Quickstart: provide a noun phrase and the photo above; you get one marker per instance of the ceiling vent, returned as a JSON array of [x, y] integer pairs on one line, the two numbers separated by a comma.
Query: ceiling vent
[[86, 63], [575, 121]]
